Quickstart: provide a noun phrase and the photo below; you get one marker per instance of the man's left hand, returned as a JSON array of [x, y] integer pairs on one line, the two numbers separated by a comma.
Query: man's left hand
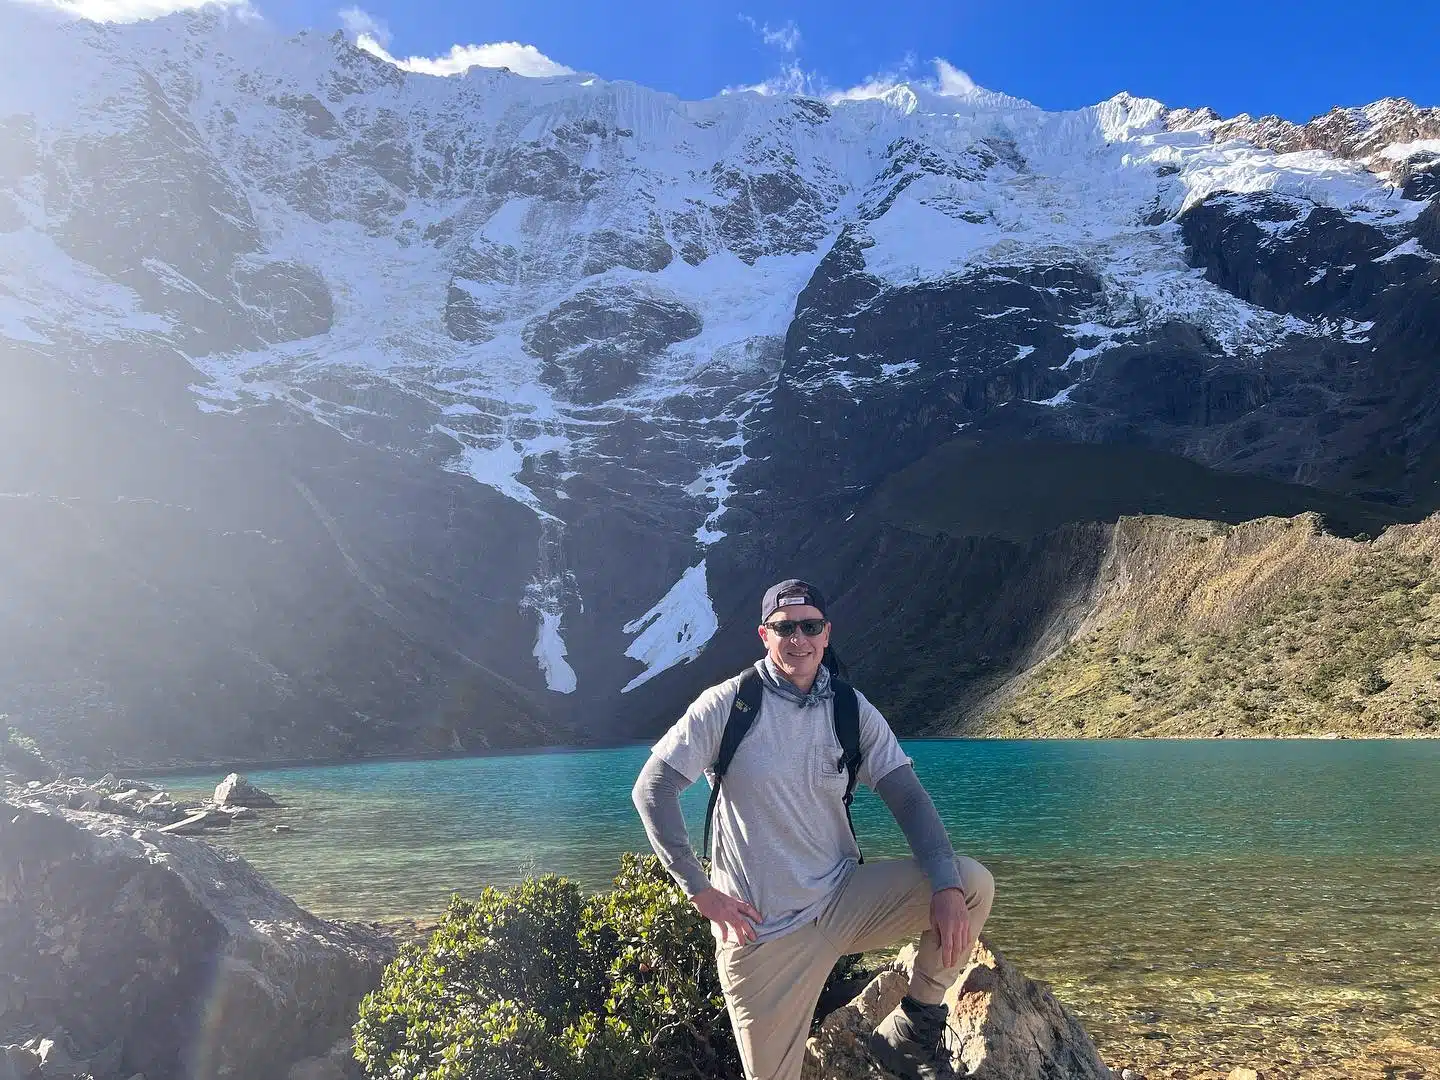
[[951, 920]]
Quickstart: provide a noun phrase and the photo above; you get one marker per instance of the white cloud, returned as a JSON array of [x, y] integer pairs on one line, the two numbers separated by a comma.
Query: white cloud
[[373, 36], [136, 10], [786, 38], [951, 81], [878, 85], [359, 23], [792, 78]]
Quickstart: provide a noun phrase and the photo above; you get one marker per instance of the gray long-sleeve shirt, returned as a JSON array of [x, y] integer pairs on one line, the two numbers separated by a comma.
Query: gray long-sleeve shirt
[[657, 797], [782, 842]]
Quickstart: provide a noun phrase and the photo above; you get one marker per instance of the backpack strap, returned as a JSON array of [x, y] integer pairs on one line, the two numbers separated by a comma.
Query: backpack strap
[[742, 714], [847, 730]]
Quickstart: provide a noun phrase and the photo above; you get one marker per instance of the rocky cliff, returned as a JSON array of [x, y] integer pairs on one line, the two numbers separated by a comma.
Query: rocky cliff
[[356, 411]]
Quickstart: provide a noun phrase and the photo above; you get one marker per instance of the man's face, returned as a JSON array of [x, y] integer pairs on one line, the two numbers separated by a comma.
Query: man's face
[[797, 656]]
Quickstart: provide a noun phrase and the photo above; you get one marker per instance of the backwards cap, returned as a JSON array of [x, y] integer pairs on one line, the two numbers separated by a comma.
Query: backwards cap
[[791, 593]]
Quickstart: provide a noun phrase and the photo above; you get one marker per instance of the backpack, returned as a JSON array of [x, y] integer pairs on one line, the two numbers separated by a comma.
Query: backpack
[[743, 713]]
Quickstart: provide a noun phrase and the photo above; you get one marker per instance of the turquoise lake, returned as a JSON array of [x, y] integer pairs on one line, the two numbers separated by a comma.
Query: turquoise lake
[[1191, 900]]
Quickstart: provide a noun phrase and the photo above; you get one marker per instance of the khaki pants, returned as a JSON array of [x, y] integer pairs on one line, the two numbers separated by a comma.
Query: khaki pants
[[772, 987]]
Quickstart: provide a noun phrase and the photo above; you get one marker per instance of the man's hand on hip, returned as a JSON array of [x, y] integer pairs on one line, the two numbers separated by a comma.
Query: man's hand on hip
[[951, 920], [727, 913]]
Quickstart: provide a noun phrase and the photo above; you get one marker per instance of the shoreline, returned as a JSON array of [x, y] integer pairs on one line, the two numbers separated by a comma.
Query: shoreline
[[230, 765]]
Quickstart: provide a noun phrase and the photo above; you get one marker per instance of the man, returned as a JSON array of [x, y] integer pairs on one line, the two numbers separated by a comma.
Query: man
[[788, 893]]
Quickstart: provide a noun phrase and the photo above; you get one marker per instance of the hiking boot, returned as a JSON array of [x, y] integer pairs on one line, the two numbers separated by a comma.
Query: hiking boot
[[910, 1042]]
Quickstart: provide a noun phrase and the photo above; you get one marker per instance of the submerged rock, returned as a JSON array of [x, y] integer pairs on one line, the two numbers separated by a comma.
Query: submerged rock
[[1003, 1026], [177, 953]]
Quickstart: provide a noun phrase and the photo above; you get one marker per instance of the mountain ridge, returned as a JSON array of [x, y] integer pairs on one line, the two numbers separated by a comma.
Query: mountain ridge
[[580, 320]]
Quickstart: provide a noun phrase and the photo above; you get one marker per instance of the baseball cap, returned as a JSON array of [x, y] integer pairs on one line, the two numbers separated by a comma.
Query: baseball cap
[[791, 593]]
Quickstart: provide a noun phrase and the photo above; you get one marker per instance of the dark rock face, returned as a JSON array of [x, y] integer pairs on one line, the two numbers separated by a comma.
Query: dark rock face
[[467, 317], [909, 160], [1286, 254], [165, 954], [537, 172], [1422, 179], [596, 343], [606, 249], [315, 593], [1427, 227], [925, 359], [150, 188], [291, 300], [1369, 395]]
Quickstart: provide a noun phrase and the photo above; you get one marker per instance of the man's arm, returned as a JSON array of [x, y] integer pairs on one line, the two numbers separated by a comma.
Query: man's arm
[[920, 822], [913, 809], [657, 796]]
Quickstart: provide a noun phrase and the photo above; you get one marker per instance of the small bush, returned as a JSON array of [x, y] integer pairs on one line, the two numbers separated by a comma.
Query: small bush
[[541, 982], [20, 754], [1372, 682]]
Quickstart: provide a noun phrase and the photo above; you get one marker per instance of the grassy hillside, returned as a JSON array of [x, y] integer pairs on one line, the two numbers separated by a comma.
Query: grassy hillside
[[1273, 627]]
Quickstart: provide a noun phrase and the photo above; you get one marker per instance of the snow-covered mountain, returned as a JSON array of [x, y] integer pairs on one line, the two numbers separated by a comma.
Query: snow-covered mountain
[[360, 409]]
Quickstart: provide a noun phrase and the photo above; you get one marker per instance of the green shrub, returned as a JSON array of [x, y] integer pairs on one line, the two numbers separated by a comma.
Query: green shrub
[[20, 754], [540, 981], [486, 995]]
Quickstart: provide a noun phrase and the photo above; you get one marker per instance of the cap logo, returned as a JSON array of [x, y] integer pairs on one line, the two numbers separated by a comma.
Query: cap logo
[[790, 601]]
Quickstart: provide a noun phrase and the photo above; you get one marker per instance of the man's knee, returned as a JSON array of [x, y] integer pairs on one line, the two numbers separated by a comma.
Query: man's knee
[[979, 886]]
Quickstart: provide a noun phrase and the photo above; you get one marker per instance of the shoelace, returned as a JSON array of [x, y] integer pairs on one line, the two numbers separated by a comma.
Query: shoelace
[[926, 1022]]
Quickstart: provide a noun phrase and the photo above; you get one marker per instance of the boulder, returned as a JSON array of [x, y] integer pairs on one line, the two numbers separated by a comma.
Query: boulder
[[87, 799], [235, 790], [837, 1050], [1003, 1026], [19, 1063], [172, 957], [338, 1064]]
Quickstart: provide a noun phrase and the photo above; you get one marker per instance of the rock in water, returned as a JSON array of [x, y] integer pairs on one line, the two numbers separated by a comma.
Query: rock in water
[[1003, 1026], [179, 953], [235, 790]]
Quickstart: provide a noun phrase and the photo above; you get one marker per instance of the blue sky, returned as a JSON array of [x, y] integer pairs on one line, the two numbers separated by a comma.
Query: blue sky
[[1292, 58]]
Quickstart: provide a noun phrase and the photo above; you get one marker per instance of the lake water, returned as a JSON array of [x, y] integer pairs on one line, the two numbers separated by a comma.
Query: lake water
[[1191, 900]]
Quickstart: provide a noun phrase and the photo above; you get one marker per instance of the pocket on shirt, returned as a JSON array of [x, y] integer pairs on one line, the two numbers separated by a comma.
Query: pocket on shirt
[[827, 770]]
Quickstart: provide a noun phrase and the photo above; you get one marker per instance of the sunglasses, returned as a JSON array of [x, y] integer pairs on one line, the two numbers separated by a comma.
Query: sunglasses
[[808, 627]]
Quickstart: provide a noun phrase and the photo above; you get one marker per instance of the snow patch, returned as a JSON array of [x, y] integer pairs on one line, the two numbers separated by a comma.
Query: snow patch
[[1402, 151], [498, 465], [550, 652], [1062, 398], [1409, 247], [675, 629], [507, 224]]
